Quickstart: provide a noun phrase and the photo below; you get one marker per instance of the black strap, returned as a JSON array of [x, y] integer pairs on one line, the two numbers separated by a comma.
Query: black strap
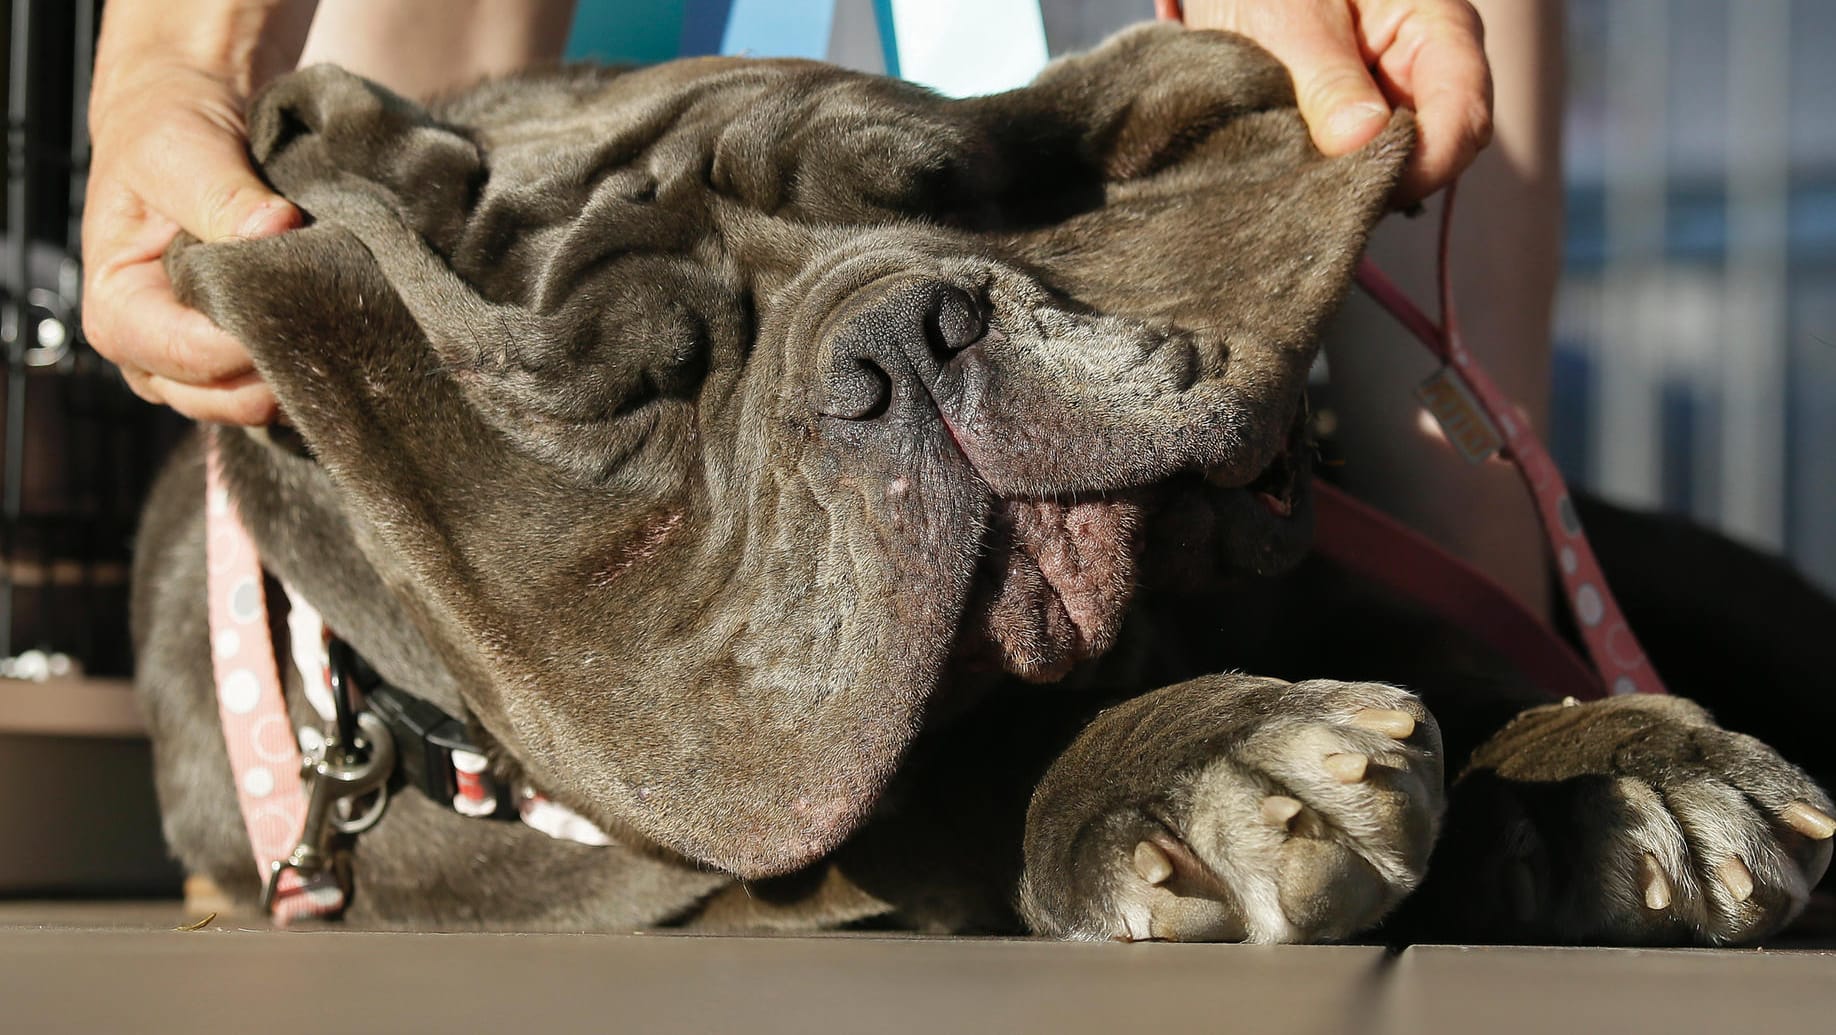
[[425, 735]]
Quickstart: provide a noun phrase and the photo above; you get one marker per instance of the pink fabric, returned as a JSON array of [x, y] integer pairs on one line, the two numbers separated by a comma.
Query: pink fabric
[[263, 753]]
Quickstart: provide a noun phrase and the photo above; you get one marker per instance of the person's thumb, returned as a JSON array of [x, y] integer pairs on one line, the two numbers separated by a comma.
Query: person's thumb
[[214, 194], [1343, 107]]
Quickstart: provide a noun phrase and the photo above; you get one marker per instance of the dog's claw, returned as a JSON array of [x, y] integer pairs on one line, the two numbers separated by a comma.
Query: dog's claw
[[1347, 767], [1151, 863], [1736, 878], [1808, 820], [1280, 809], [1392, 722], [1657, 886]]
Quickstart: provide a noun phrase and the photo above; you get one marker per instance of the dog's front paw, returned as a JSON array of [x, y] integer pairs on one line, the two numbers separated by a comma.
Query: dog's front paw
[[1631, 821], [1236, 809]]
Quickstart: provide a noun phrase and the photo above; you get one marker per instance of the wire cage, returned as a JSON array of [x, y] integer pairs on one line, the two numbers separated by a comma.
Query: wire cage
[[77, 449]]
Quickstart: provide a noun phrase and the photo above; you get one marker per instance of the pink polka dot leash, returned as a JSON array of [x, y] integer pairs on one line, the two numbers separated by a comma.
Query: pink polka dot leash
[[1481, 422], [263, 752], [300, 807]]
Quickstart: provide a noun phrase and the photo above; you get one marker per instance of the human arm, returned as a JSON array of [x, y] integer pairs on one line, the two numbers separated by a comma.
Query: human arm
[[169, 152]]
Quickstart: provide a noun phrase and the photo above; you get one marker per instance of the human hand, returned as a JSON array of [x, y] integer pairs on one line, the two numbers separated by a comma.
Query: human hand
[[169, 152], [1353, 60]]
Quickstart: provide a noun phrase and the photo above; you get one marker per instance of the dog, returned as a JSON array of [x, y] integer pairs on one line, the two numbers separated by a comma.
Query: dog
[[870, 509]]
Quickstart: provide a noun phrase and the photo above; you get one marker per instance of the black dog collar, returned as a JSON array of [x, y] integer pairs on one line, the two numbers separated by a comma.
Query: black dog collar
[[435, 751]]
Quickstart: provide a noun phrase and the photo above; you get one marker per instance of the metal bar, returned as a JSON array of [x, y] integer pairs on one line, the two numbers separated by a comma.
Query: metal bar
[[1627, 442], [17, 315], [82, 66], [1754, 353], [83, 455]]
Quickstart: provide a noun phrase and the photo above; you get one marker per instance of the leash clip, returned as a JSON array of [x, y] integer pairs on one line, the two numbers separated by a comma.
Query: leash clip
[[337, 775]]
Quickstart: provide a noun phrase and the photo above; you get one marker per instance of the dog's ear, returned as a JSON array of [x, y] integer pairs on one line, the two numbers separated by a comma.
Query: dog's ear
[[569, 615], [1172, 180], [354, 321], [324, 126], [573, 612], [408, 186]]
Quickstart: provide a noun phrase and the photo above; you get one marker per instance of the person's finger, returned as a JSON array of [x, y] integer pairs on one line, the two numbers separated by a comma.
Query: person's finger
[[1318, 41], [1453, 106], [141, 383], [130, 316], [245, 400], [241, 400]]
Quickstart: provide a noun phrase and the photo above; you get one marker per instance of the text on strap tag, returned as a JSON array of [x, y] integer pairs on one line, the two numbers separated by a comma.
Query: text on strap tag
[[1464, 421]]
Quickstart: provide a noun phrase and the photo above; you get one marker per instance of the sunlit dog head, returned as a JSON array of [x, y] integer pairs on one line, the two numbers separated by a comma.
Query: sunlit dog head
[[709, 417]]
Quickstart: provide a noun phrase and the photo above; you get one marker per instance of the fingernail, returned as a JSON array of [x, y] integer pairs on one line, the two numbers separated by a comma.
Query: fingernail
[[1355, 124], [269, 218]]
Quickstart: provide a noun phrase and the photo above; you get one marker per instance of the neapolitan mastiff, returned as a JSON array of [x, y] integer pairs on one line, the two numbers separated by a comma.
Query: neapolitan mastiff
[[873, 509]]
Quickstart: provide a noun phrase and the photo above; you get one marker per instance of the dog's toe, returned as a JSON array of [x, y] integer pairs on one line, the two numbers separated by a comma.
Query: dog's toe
[[1631, 821], [1305, 820], [1702, 862]]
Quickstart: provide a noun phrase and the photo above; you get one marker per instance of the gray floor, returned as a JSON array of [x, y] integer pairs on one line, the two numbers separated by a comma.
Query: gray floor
[[104, 967]]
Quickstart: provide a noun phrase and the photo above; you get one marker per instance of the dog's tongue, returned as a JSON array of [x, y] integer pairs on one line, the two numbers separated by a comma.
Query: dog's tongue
[[1060, 577]]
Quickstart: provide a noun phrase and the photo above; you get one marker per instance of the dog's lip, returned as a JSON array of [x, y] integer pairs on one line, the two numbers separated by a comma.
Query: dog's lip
[[1053, 583], [1056, 576], [1276, 485]]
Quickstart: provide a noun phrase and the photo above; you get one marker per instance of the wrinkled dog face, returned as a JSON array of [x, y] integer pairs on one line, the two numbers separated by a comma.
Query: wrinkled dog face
[[710, 416]]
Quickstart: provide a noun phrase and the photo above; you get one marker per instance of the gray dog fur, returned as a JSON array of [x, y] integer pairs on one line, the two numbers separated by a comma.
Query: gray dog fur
[[764, 458]]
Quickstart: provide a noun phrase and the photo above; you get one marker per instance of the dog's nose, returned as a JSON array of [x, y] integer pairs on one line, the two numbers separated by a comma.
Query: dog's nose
[[892, 348]]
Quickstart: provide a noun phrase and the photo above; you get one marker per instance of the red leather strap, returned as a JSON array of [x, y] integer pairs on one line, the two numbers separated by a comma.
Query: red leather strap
[[1616, 653], [1365, 540]]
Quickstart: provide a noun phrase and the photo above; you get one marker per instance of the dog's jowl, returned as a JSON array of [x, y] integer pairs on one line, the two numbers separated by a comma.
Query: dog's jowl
[[841, 503]]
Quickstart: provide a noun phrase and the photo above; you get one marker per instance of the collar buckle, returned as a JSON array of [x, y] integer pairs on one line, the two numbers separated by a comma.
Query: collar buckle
[[338, 774]]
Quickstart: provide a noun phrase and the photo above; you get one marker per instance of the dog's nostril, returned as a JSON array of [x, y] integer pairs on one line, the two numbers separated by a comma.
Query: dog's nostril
[[860, 390], [955, 322]]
